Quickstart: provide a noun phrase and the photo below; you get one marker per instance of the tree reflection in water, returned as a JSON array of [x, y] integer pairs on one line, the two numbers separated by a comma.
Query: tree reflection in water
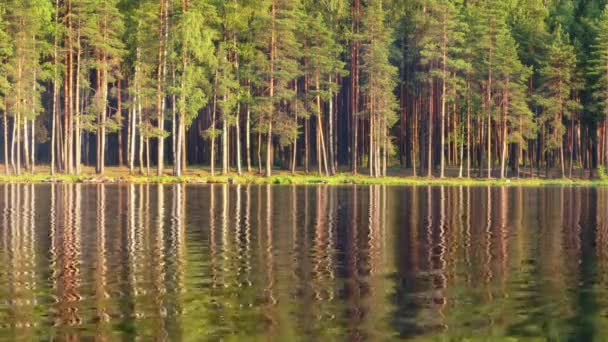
[[314, 262]]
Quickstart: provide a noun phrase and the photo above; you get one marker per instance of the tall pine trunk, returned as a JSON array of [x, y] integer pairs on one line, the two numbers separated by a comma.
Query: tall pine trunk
[[271, 90]]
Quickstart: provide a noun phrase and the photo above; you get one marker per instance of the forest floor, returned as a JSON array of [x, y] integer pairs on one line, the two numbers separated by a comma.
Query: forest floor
[[202, 175]]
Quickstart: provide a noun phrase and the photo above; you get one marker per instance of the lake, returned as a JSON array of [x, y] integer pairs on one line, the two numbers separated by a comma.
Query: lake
[[285, 263]]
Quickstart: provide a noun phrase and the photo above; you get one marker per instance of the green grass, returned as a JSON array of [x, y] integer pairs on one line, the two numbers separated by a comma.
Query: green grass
[[201, 175]]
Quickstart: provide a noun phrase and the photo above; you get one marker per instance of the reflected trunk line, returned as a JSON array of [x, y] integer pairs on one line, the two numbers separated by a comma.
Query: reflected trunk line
[[572, 235], [159, 265], [332, 242], [370, 241], [294, 222], [579, 227], [227, 248], [352, 282], [319, 243], [441, 279], [468, 241], [602, 236], [141, 244], [131, 250], [368, 247], [327, 241], [259, 227], [212, 237], [429, 233], [414, 236], [503, 202], [238, 233], [69, 261], [487, 262], [269, 289], [248, 247], [460, 236], [175, 264], [13, 257], [21, 268], [5, 275], [53, 253], [294, 236], [101, 294]]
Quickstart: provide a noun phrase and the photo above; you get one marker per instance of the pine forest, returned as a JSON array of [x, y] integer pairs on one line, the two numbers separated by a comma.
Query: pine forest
[[441, 88]]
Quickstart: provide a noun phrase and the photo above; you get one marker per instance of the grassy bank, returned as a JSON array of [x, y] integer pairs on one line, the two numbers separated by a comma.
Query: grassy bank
[[202, 176]]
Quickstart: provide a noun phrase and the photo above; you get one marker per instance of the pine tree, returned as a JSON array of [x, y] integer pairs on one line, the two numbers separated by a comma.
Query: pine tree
[[6, 51], [529, 29], [559, 83], [379, 86], [195, 42], [280, 71], [28, 24], [103, 32], [516, 118], [441, 46], [321, 51], [600, 69], [489, 22]]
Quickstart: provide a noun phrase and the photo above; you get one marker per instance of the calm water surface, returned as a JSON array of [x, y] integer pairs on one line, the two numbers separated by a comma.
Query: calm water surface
[[176, 262]]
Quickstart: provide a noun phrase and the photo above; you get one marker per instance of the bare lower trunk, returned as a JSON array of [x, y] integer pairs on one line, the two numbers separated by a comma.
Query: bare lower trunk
[[141, 138], [271, 90], [332, 157], [13, 144], [294, 147], [5, 128], [147, 156], [260, 153], [213, 118], [238, 141], [225, 143], [26, 149], [430, 133], [248, 137], [33, 148]]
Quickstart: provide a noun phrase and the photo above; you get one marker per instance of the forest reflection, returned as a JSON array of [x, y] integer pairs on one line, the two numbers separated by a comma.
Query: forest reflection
[[316, 262]]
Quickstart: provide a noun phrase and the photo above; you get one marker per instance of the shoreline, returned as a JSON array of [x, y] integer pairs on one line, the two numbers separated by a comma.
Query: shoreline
[[285, 178]]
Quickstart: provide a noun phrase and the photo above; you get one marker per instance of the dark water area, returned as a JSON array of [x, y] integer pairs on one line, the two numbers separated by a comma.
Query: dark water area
[[287, 263]]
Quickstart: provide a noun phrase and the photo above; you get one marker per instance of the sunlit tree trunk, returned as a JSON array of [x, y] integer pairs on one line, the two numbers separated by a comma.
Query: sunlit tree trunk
[[271, 90]]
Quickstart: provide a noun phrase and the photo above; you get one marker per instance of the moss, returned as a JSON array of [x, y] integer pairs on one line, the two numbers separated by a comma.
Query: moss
[[199, 175]]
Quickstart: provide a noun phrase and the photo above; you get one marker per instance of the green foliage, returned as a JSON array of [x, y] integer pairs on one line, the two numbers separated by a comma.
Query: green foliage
[[601, 172], [559, 83], [6, 51], [195, 57], [380, 76], [599, 64]]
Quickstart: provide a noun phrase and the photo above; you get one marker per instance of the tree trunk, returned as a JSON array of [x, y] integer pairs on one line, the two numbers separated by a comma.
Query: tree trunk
[[225, 143], [489, 107], [468, 128], [213, 118], [430, 132], [271, 91], [443, 100], [294, 148], [354, 75], [78, 128], [503, 156], [238, 110], [321, 154], [119, 120], [160, 103], [248, 130], [332, 157]]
